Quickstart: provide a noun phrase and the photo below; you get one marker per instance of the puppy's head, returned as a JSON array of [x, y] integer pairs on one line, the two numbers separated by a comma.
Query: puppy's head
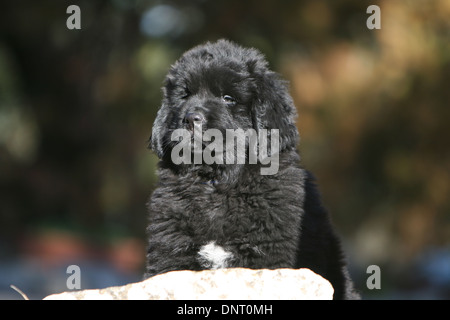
[[223, 86]]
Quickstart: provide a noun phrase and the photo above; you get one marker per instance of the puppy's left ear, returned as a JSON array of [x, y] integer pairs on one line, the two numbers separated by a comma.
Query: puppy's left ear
[[274, 109]]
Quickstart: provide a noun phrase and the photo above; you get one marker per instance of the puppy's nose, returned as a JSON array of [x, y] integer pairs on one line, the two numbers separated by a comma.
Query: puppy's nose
[[192, 117]]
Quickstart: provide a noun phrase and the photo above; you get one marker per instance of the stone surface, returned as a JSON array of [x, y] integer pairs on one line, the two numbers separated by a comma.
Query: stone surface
[[236, 284]]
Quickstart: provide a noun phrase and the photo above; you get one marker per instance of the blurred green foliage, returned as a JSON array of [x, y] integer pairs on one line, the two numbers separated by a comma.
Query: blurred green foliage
[[76, 109]]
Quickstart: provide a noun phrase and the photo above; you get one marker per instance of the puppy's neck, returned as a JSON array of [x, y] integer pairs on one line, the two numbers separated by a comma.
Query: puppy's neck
[[213, 175]]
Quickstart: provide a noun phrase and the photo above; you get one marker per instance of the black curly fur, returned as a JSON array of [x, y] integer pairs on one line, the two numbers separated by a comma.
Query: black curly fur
[[263, 221]]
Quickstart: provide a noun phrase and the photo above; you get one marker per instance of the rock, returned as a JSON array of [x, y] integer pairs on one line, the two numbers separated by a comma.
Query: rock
[[231, 284]]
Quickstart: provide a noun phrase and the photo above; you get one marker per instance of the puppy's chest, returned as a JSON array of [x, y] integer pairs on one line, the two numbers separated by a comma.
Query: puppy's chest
[[207, 214]]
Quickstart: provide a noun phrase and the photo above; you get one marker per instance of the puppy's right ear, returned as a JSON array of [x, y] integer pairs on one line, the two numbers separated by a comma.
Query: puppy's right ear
[[158, 131], [160, 124]]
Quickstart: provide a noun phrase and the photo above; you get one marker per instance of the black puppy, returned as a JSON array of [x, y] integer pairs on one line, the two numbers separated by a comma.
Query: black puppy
[[230, 213]]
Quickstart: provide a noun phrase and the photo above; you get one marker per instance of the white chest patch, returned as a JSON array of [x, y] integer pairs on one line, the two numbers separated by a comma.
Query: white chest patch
[[213, 256]]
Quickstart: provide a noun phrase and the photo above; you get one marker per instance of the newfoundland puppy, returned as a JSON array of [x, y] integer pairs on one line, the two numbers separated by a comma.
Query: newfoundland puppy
[[232, 192]]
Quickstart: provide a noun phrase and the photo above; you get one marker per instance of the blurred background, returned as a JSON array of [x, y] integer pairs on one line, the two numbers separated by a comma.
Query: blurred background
[[77, 107]]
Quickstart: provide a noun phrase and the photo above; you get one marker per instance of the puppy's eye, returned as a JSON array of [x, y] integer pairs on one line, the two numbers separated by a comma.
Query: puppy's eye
[[186, 93], [229, 100]]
